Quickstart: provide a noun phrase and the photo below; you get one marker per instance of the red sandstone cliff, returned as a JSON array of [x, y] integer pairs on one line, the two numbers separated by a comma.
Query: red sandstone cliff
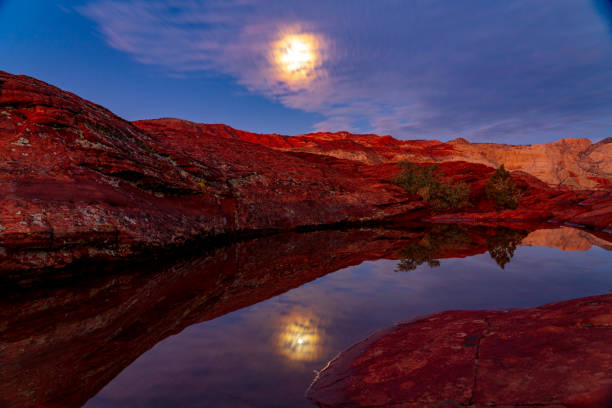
[[79, 183]]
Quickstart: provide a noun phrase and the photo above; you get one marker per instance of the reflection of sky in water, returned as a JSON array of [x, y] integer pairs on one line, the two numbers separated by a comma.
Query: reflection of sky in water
[[253, 357]]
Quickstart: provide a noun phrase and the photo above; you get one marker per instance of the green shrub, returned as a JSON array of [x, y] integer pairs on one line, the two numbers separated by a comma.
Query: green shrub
[[502, 190], [445, 196], [426, 182], [414, 177]]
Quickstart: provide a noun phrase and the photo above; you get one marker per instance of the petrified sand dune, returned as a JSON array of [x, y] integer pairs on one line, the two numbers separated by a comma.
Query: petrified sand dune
[[77, 182]]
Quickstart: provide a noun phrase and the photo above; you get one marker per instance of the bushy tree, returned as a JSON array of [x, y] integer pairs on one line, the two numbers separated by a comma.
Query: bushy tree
[[415, 178], [446, 196], [502, 190], [425, 181]]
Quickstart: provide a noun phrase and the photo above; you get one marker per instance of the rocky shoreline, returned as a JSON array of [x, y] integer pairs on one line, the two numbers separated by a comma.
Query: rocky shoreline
[[550, 356]]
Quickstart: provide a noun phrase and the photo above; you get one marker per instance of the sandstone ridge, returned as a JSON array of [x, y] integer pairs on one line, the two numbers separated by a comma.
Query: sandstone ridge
[[575, 163], [78, 183]]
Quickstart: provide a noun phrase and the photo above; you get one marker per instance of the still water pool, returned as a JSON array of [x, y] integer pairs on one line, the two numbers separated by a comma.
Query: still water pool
[[265, 354]]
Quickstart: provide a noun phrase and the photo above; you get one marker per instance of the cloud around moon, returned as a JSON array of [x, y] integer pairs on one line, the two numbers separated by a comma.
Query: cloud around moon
[[501, 71]]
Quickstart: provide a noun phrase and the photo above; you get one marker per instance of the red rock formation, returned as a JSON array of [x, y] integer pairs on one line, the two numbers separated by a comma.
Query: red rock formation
[[575, 163], [556, 355], [78, 183]]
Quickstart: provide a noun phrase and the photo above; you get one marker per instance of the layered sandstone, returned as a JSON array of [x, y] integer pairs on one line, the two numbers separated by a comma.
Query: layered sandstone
[[575, 163]]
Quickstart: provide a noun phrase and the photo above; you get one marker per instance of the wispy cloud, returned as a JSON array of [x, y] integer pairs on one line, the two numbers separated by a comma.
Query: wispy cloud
[[483, 70]]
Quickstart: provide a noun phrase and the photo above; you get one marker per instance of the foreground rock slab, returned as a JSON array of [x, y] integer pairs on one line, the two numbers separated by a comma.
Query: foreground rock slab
[[558, 355]]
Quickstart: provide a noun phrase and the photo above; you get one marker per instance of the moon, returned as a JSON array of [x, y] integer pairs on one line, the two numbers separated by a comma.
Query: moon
[[297, 56]]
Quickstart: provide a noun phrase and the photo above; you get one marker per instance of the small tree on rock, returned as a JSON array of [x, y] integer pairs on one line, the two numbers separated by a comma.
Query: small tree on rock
[[502, 190], [424, 181], [416, 179]]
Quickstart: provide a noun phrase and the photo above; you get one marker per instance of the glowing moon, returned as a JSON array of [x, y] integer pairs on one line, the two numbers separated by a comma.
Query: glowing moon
[[297, 57], [297, 54]]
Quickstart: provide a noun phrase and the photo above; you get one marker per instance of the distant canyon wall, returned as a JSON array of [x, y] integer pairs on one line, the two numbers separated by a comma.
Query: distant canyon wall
[[576, 163]]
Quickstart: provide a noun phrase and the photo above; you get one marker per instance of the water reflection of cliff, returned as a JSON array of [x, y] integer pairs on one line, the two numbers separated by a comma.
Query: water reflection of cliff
[[456, 240], [61, 342], [566, 239]]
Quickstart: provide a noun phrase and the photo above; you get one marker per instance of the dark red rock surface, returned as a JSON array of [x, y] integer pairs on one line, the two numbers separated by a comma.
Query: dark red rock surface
[[78, 183], [558, 355]]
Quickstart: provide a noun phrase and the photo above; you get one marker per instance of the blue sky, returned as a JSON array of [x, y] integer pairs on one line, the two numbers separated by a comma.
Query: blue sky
[[517, 71]]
